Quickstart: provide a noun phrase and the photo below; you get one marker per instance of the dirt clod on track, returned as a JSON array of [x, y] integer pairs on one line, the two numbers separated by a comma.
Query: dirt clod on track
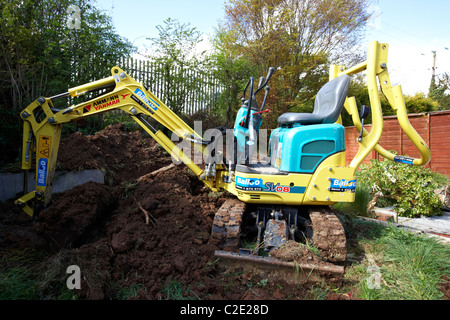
[[103, 230]]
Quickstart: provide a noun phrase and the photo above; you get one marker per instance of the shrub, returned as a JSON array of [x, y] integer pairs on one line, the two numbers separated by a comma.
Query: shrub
[[410, 188]]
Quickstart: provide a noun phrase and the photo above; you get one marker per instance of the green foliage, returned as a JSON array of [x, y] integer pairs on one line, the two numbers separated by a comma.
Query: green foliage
[[359, 206], [174, 55], [419, 103], [10, 133], [44, 56], [120, 117], [410, 187], [440, 91], [232, 71], [41, 54]]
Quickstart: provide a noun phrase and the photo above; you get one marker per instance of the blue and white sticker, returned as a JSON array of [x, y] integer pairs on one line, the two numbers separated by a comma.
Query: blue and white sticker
[[142, 95], [402, 159], [41, 179], [249, 184], [342, 185], [255, 184]]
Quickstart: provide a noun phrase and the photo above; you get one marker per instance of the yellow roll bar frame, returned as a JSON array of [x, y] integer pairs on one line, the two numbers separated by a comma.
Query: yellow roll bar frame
[[376, 67]]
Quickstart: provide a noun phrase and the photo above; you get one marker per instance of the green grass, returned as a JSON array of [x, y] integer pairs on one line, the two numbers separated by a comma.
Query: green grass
[[17, 277], [359, 206], [174, 291], [399, 265], [128, 292], [17, 283], [23, 276]]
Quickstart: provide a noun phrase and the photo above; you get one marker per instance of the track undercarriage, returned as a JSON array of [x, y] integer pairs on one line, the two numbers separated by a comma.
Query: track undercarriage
[[272, 235]]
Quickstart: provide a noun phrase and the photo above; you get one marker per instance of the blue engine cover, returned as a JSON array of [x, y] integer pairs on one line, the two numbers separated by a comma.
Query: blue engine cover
[[302, 148]]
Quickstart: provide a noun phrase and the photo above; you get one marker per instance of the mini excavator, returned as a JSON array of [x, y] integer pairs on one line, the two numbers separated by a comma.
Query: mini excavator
[[286, 198]]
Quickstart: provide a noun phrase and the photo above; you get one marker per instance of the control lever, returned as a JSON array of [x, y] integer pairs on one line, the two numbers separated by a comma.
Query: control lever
[[262, 111], [365, 110], [245, 90], [261, 81], [250, 96], [244, 119], [267, 89], [269, 75]]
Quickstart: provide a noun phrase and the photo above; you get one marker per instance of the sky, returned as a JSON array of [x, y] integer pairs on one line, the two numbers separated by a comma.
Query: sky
[[412, 28]]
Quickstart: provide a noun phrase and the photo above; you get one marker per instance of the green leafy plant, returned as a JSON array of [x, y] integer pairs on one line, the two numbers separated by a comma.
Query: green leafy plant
[[409, 188]]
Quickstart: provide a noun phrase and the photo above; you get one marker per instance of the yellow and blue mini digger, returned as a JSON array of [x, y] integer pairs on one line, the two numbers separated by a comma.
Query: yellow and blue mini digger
[[285, 198]]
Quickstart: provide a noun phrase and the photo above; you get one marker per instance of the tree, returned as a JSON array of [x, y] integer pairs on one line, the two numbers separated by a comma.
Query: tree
[[47, 47], [232, 70], [299, 38], [175, 53], [440, 91], [420, 103]]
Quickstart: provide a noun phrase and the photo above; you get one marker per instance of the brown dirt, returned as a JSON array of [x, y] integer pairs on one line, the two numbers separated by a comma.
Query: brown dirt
[[294, 251], [103, 230], [122, 155]]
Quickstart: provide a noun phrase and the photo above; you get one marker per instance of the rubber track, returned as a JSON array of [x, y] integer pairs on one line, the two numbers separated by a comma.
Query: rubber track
[[227, 222], [328, 235], [328, 232]]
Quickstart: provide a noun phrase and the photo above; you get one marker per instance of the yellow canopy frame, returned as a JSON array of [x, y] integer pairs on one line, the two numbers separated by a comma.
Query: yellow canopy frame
[[376, 67]]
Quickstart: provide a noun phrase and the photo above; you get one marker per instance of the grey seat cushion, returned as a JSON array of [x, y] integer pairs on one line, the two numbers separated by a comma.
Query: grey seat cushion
[[327, 105]]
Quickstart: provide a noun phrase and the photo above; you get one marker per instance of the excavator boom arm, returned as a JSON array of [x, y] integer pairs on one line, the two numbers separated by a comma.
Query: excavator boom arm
[[42, 129]]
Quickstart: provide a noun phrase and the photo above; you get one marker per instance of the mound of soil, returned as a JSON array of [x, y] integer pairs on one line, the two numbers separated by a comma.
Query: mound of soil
[[122, 155], [132, 239], [294, 251]]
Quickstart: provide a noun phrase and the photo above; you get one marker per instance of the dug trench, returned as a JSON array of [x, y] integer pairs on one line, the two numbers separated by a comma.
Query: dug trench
[[139, 236]]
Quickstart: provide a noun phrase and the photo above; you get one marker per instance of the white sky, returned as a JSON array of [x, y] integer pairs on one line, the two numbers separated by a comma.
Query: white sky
[[412, 28]]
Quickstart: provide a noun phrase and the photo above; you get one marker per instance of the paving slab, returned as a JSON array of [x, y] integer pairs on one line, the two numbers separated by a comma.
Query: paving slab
[[12, 183], [435, 225]]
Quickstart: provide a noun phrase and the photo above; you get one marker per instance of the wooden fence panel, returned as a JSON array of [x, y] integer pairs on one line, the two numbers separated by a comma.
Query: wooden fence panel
[[433, 127]]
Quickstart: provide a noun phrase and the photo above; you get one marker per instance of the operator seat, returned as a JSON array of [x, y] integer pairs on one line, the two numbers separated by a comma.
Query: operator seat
[[327, 105]]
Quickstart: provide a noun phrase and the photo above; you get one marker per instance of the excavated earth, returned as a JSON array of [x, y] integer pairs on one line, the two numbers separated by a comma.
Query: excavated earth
[[146, 239]]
